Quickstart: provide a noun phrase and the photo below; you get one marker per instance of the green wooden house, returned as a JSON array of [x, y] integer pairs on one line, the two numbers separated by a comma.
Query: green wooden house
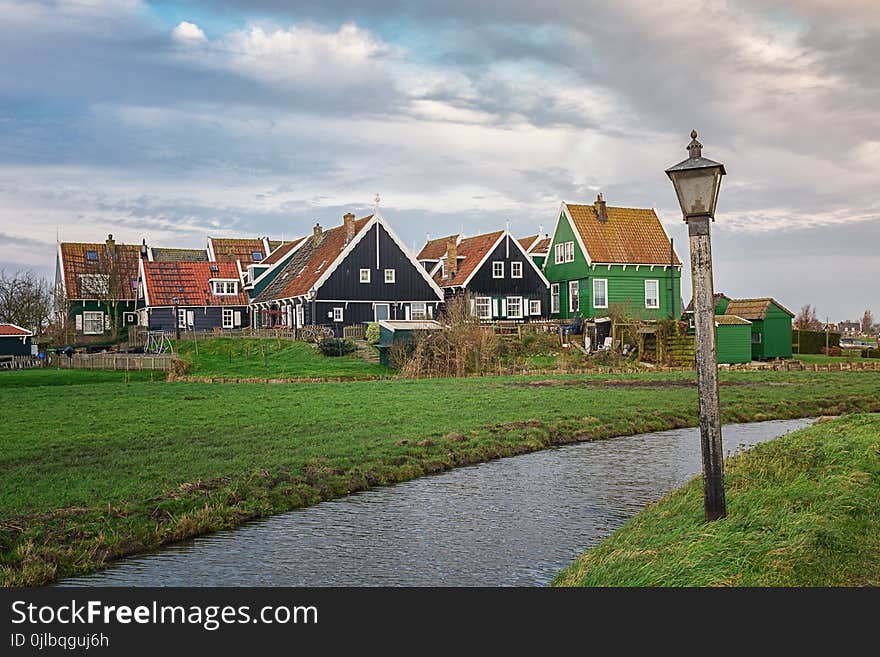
[[600, 256], [771, 324], [733, 339]]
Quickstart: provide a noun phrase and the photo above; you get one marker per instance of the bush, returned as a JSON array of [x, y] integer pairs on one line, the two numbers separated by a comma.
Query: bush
[[336, 346], [373, 333], [832, 351], [871, 353], [812, 342]]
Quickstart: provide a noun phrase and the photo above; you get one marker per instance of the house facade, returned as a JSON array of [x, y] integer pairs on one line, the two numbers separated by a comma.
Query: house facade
[[15, 340], [351, 274], [503, 280], [601, 256], [770, 324], [96, 286]]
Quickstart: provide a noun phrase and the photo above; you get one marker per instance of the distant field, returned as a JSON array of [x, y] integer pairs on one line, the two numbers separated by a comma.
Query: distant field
[[254, 357], [821, 359], [96, 469]]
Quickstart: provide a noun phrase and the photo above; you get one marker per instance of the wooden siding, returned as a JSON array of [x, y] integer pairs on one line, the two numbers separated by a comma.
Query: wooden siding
[[204, 319], [733, 342]]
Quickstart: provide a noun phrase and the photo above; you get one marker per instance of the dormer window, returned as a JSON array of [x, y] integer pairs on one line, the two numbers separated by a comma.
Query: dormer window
[[256, 256], [92, 256], [224, 288]]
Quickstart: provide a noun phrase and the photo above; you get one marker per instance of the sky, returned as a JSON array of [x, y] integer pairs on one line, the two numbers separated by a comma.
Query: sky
[[172, 121]]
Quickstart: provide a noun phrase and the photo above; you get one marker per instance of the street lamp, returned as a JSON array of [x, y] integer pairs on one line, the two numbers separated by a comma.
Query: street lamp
[[176, 317], [697, 181]]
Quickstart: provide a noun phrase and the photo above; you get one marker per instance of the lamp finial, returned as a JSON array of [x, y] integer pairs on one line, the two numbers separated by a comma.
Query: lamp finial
[[695, 148]]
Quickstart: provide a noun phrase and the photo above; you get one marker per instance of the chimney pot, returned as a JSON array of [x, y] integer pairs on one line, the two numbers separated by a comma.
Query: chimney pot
[[451, 258], [348, 222], [316, 231], [601, 209]]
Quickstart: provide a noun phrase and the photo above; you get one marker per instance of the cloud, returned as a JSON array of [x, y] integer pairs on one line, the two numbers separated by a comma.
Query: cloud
[[189, 33]]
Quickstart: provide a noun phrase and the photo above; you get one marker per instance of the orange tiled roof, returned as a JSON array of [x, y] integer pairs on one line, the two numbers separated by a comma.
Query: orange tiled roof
[[526, 242], [190, 282], [470, 251], [12, 329], [541, 248], [230, 250], [629, 236], [75, 262], [280, 251], [436, 248], [307, 265], [753, 309]]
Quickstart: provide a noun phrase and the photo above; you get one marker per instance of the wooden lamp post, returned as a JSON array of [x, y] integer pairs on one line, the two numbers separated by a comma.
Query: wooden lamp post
[[697, 181]]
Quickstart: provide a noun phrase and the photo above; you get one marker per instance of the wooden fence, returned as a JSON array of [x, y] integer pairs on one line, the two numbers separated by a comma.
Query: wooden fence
[[21, 362], [127, 362]]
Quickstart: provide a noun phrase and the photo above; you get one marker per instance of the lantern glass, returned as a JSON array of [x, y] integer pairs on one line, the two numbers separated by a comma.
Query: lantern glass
[[697, 189]]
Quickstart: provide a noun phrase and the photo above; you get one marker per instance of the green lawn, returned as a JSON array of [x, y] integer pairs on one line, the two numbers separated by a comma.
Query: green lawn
[[849, 356], [97, 469], [803, 510], [268, 358]]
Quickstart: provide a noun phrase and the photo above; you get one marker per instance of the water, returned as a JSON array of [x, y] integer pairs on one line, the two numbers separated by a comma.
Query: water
[[511, 522]]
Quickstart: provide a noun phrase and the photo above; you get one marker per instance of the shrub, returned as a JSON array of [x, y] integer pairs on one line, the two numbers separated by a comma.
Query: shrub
[[871, 353], [336, 346], [812, 342], [373, 333], [832, 351]]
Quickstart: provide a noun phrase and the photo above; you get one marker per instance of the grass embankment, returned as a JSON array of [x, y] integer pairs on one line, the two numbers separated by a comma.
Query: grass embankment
[[246, 358], [96, 471], [803, 510]]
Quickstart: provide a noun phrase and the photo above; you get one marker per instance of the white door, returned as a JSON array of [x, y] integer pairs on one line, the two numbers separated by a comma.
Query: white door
[[382, 311], [300, 315]]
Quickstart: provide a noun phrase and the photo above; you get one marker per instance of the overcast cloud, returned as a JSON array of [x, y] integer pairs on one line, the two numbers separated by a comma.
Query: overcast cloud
[[172, 121]]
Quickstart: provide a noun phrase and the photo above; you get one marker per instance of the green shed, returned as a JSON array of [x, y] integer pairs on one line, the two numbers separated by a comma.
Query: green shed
[[771, 326], [733, 339], [395, 331]]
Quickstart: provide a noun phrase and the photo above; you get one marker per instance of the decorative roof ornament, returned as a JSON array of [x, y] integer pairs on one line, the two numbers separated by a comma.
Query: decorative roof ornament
[[695, 148], [377, 200]]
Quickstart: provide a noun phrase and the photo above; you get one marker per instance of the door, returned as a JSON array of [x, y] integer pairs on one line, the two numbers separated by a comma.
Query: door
[[300, 316], [382, 311]]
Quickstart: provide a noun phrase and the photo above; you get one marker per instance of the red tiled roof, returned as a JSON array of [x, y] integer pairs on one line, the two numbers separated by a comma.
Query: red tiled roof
[[299, 274], [119, 263], [230, 250], [628, 236], [526, 242], [280, 251], [471, 251], [190, 282], [13, 330], [541, 248], [435, 249]]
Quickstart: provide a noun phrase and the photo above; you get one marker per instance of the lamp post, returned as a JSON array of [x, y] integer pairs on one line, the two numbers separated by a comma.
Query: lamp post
[[176, 318], [697, 181]]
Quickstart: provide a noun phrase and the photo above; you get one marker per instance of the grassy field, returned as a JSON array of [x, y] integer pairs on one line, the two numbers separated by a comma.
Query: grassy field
[[254, 358], [803, 510], [849, 356], [98, 469]]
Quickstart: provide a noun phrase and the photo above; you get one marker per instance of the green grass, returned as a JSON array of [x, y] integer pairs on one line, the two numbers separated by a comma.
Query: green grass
[[267, 358], [803, 510], [848, 356], [99, 470], [57, 377]]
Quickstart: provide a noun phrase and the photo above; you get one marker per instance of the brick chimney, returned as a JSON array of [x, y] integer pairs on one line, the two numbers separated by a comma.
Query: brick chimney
[[451, 258], [110, 242], [316, 231], [601, 210], [348, 222]]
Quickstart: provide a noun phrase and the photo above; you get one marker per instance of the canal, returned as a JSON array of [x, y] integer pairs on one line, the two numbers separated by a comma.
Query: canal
[[511, 522]]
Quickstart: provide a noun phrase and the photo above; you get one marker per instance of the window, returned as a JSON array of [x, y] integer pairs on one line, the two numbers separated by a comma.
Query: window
[[516, 269], [337, 314], [483, 307], [129, 318], [181, 318], [92, 256], [514, 307], [554, 297], [418, 310], [389, 275], [559, 254], [382, 311], [652, 294], [497, 269], [93, 323], [94, 285], [256, 256], [365, 275], [574, 296], [600, 293], [221, 288], [535, 307], [757, 338], [569, 251], [228, 318]]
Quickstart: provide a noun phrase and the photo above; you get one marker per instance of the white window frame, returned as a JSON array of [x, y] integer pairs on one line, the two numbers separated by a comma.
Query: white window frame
[[554, 298], [534, 307], [517, 301], [415, 312], [338, 314], [486, 302], [656, 303], [559, 254], [569, 252], [230, 313], [516, 269], [497, 269], [181, 318], [365, 276], [576, 287], [390, 276], [604, 281], [90, 318], [224, 287]]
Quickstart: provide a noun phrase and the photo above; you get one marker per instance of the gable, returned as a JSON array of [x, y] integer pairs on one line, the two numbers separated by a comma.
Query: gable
[[507, 251], [117, 265], [627, 236]]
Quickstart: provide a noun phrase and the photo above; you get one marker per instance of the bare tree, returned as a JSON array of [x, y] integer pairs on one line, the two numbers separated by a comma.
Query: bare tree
[[25, 300], [867, 322], [808, 320]]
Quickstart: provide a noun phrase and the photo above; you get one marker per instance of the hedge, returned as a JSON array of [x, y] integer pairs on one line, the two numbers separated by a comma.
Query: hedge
[[812, 342]]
